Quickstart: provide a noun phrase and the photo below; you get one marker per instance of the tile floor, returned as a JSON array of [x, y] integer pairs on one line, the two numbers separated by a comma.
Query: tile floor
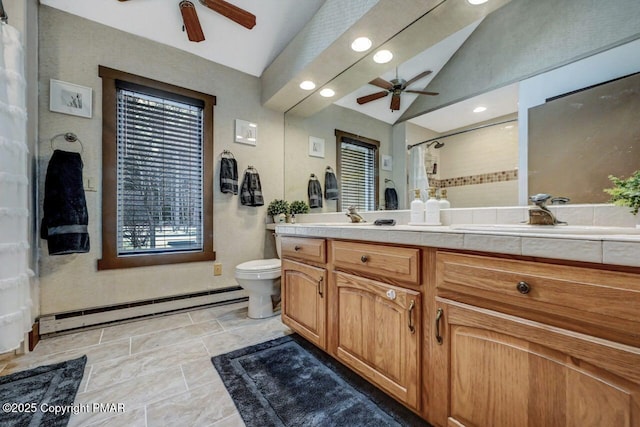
[[159, 368]]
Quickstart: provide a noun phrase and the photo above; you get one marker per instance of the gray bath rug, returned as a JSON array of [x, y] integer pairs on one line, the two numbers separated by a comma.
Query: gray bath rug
[[31, 398], [289, 382]]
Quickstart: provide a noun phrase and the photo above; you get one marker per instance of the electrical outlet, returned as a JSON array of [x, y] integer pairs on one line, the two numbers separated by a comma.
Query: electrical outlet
[[90, 183], [217, 269]]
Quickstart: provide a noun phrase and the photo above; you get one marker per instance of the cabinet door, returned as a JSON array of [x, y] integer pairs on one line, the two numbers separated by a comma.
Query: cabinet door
[[502, 371], [378, 334], [303, 300]]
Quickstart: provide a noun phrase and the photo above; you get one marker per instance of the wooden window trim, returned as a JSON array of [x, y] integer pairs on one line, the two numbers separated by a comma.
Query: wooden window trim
[[110, 258], [339, 135]]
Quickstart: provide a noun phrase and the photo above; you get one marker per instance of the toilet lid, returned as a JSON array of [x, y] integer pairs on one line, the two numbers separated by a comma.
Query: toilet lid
[[260, 264]]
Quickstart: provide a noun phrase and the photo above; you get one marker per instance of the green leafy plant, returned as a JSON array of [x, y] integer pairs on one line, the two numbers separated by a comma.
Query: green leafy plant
[[277, 207], [299, 207], [626, 192]]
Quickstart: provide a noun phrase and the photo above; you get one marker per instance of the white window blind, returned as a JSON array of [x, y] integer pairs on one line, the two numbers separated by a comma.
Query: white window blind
[[358, 172], [160, 172]]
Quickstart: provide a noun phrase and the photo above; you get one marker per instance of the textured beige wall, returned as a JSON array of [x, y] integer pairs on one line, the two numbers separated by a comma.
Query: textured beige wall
[[71, 49], [299, 165]]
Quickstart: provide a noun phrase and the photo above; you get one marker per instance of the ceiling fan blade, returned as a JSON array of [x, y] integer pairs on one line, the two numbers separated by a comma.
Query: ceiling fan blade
[[422, 92], [381, 83], [236, 14], [418, 77], [191, 21], [372, 97], [395, 102]]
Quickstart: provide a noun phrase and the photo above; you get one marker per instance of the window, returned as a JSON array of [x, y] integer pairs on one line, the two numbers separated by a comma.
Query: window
[[157, 173], [357, 171]]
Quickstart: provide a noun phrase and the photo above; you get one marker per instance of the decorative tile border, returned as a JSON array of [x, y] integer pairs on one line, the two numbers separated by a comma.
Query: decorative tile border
[[483, 178]]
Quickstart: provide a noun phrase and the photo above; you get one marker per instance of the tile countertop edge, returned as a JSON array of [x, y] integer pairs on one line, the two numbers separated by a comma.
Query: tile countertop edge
[[604, 249]]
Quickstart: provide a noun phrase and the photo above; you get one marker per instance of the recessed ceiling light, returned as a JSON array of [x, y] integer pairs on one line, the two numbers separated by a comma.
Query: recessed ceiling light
[[479, 109], [307, 85], [383, 56], [476, 2], [361, 44], [327, 93]]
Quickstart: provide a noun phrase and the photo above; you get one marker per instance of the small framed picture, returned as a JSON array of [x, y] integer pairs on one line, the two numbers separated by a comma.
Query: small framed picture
[[68, 98], [316, 147], [246, 132], [387, 163]]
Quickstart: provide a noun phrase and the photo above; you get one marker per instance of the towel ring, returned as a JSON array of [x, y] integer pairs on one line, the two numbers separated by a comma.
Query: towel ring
[[387, 180], [69, 137], [227, 153]]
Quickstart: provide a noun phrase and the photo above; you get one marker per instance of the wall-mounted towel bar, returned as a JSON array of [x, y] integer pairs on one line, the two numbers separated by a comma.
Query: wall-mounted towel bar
[[69, 137]]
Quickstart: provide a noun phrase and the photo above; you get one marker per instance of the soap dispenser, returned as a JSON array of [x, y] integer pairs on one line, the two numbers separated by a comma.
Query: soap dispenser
[[432, 216], [417, 209], [444, 203]]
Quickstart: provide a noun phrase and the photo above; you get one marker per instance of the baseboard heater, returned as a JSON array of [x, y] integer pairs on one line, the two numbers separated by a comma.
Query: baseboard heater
[[60, 322]]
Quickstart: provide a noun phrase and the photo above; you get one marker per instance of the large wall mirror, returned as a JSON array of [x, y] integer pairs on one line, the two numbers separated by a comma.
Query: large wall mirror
[[541, 145]]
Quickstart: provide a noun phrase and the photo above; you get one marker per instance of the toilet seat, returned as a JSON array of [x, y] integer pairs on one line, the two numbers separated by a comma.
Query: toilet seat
[[259, 269]]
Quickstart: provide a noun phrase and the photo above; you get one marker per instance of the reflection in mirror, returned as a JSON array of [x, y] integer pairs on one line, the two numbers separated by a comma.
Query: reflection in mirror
[[496, 176], [476, 164], [577, 140], [300, 160]]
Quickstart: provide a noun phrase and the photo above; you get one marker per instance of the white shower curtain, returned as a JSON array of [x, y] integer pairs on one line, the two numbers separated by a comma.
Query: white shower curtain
[[15, 299], [419, 179]]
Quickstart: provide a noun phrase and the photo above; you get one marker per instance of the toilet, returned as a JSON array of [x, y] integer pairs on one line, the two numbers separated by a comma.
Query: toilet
[[261, 278]]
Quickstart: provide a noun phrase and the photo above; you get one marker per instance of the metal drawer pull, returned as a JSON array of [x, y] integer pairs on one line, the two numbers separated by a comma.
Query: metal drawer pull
[[296, 248], [438, 317], [523, 287], [364, 258], [412, 328], [320, 291]]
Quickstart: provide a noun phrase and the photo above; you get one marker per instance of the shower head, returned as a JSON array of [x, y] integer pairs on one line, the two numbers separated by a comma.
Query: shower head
[[438, 144]]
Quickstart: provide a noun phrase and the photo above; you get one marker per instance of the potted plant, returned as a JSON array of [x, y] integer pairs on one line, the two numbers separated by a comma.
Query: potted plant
[[298, 207], [278, 210], [626, 192]]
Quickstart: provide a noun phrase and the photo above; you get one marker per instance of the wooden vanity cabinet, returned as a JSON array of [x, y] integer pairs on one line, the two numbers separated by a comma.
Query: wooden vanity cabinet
[[497, 361], [375, 323], [304, 288]]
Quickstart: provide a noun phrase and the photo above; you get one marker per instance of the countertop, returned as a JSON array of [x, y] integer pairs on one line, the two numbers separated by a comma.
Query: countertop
[[605, 245]]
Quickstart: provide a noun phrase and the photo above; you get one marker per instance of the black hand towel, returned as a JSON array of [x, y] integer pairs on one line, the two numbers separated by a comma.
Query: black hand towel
[[228, 175], [390, 199], [251, 191], [330, 185], [65, 220], [315, 192]]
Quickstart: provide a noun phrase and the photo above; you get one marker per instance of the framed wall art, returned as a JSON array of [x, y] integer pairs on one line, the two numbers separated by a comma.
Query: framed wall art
[[246, 132], [69, 98], [316, 147]]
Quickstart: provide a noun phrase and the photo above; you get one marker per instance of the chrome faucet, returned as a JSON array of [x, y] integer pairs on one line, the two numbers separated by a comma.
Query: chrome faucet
[[354, 215], [540, 214]]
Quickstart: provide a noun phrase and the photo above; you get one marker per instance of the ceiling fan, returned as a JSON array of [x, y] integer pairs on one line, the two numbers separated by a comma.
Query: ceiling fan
[[395, 87], [192, 23]]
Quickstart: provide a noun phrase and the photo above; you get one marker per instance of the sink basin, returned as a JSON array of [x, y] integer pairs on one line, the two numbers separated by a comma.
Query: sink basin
[[547, 229], [333, 224]]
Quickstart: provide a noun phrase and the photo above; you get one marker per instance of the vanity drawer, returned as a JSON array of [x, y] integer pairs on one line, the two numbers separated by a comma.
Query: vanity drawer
[[608, 300], [390, 262], [304, 248]]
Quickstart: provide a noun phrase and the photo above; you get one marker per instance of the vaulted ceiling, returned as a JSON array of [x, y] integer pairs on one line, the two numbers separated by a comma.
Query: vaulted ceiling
[[297, 40]]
